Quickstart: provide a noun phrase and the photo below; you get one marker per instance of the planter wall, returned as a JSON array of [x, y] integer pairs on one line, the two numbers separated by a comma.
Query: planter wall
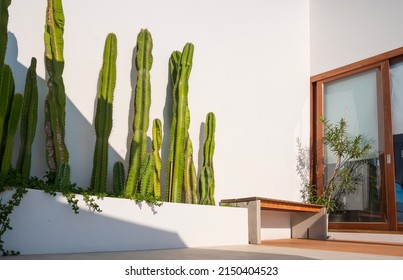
[[44, 224]]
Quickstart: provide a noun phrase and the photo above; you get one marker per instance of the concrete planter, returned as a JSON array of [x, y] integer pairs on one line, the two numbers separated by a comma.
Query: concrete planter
[[43, 224]]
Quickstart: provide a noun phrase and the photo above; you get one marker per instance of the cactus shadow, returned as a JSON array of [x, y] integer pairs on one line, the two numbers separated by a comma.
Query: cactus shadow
[[167, 116], [202, 139], [79, 131]]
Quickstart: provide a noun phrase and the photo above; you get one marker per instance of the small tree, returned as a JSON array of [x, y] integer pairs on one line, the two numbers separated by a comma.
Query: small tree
[[345, 177]]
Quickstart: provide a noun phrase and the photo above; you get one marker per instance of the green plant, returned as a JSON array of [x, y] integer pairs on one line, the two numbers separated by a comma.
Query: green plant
[[15, 113], [344, 178], [62, 180], [103, 117], [6, 210], [119, 178], [6, 97], [157, 144], [190, 176], [180, 72], [4, 4], [55, 103], [29, 117], [138, 150]]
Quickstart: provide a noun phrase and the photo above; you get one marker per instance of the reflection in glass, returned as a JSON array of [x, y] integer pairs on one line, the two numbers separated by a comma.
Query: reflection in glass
[[396, 77], [355, 98]]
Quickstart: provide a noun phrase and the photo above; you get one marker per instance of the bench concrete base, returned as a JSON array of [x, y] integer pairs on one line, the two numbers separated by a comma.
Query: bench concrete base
[[304, 220]]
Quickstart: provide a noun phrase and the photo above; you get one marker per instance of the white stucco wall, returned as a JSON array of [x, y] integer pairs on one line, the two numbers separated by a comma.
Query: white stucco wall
[[346, 31], [250, 67]]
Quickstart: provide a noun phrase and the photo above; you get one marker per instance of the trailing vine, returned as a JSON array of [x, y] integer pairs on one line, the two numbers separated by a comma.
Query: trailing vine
[[5, 212]]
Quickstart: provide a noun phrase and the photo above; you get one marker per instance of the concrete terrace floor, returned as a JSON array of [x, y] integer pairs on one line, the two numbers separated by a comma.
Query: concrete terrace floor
[[285, 249]]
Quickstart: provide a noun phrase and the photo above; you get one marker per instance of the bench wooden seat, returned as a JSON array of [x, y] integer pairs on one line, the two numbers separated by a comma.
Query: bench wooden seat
[[277, 205], [306, 220]]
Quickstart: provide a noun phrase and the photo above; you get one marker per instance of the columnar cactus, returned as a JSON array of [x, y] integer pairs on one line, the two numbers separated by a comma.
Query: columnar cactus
[[119, 178], [29, 117], [142, 102], [12, 125], [6, 98], [207, 184], [103, 116], [4, 4], [180, 123], [55, 102]]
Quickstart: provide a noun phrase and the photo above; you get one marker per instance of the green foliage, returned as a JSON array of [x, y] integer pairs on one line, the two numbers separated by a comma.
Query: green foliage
[[142, 103], [180, 72], [190, 176], [103, 117], [6, 210], [346, 176], [55, 103], [119, 178], [29, 118]]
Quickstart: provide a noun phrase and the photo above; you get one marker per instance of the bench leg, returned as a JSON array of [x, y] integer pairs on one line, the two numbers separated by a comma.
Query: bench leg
[[310, 226], [254, 222]]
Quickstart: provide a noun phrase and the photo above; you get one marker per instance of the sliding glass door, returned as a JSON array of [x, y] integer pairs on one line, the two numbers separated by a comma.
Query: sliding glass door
[[357, 99]]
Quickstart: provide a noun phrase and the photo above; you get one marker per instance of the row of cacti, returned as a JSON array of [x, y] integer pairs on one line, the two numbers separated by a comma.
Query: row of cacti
[[14, 106], [144, 172]]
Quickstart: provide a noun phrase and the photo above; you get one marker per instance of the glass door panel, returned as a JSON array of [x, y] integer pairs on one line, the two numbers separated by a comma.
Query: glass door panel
[[357, 98], [396, 78]]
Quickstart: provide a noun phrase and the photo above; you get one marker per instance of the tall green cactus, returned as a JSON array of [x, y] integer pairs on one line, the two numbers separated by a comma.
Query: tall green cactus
[[6, 98], [180, 122], [150, 170], [55, 103], [29, 117], [207, 181], [209, 144], [15, 113], [103, 117], [4, 4], [143, 61], [119, 178]]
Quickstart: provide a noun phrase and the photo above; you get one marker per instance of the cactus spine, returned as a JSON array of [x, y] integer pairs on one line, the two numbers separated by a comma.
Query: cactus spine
[[207, 184], [157, 144], [62, 180], [143, 61], [119, 178], [103, 117], [29, 117], [180, 122], [13, 120], [55, 102]]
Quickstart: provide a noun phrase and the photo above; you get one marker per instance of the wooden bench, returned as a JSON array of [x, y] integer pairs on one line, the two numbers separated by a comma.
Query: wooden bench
[[306, 220]]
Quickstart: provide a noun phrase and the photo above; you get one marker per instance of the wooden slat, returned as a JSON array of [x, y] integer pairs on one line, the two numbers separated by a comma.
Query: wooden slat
[[278, 205]]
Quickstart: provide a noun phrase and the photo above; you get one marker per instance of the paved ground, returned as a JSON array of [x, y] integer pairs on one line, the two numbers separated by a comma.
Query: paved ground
[[239, 252]]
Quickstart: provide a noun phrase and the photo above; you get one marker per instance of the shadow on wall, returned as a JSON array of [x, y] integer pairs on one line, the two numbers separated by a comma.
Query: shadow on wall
[[80, 134], [36, 230]]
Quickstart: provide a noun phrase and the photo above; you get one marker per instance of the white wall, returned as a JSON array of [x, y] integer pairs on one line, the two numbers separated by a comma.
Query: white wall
[[250, 67], [41, 220], [346, 31]]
